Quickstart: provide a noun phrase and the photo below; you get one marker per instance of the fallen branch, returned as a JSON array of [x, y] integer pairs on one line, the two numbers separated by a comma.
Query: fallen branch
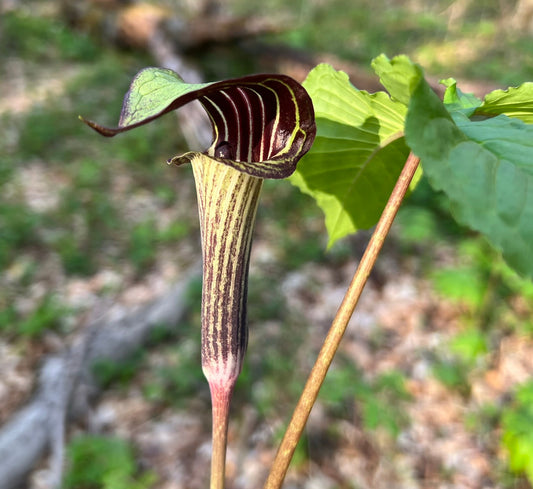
[[66, 384]]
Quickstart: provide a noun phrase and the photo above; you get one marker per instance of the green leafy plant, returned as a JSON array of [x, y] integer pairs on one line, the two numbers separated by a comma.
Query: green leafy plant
[[380, 401], [364, 161], [143, 243], [175, 382], [433, 130], [145, 238], [107, 371], [517, 435], [494, 134], [33, 38], [47, 316], [102, 462], [19, 226]]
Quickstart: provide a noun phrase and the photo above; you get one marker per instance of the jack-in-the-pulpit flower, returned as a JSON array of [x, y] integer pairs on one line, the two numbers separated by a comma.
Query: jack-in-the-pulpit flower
[[262, 125]]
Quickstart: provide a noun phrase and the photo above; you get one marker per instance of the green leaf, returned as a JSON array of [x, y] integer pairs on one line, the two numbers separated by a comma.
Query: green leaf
[[517, 436], [399, 76], [484, 167], [514, 102], [462, 284], [469, 345], [455, 100], [105, 462], [358, 152], [151, 94]]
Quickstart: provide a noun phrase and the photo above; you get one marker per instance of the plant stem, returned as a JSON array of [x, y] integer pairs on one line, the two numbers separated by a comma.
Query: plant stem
[[338, 327], [220, 402]]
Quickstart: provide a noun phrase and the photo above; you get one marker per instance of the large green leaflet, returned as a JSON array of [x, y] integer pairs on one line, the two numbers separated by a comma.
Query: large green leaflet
[[516, 102], [357, 155], [456, 100], [485, 168], [398, 75]]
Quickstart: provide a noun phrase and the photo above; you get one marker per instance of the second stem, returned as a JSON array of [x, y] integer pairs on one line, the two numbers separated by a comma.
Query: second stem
[[331, 343]]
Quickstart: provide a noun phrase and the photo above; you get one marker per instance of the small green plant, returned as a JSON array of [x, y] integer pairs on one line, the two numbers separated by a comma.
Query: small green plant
[[19, 226], [517, 435], [143, 244], [8, 318], [462, 284], [484, 419], [453, 374], [384, 402], [32, 37], [102, 462], [380, 402], [47, 316], [179, 379], [466, 348], [109, 372], [469, 345], [145, 239]]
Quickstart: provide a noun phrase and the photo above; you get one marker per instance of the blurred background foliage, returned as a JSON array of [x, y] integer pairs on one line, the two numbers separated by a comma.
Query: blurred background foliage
[[85, 220]]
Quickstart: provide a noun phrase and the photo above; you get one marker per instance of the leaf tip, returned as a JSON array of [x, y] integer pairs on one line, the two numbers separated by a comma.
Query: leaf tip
[[104, 131]]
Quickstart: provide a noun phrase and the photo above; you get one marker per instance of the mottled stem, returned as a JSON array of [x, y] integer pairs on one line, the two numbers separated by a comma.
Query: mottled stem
[[227, 204]]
